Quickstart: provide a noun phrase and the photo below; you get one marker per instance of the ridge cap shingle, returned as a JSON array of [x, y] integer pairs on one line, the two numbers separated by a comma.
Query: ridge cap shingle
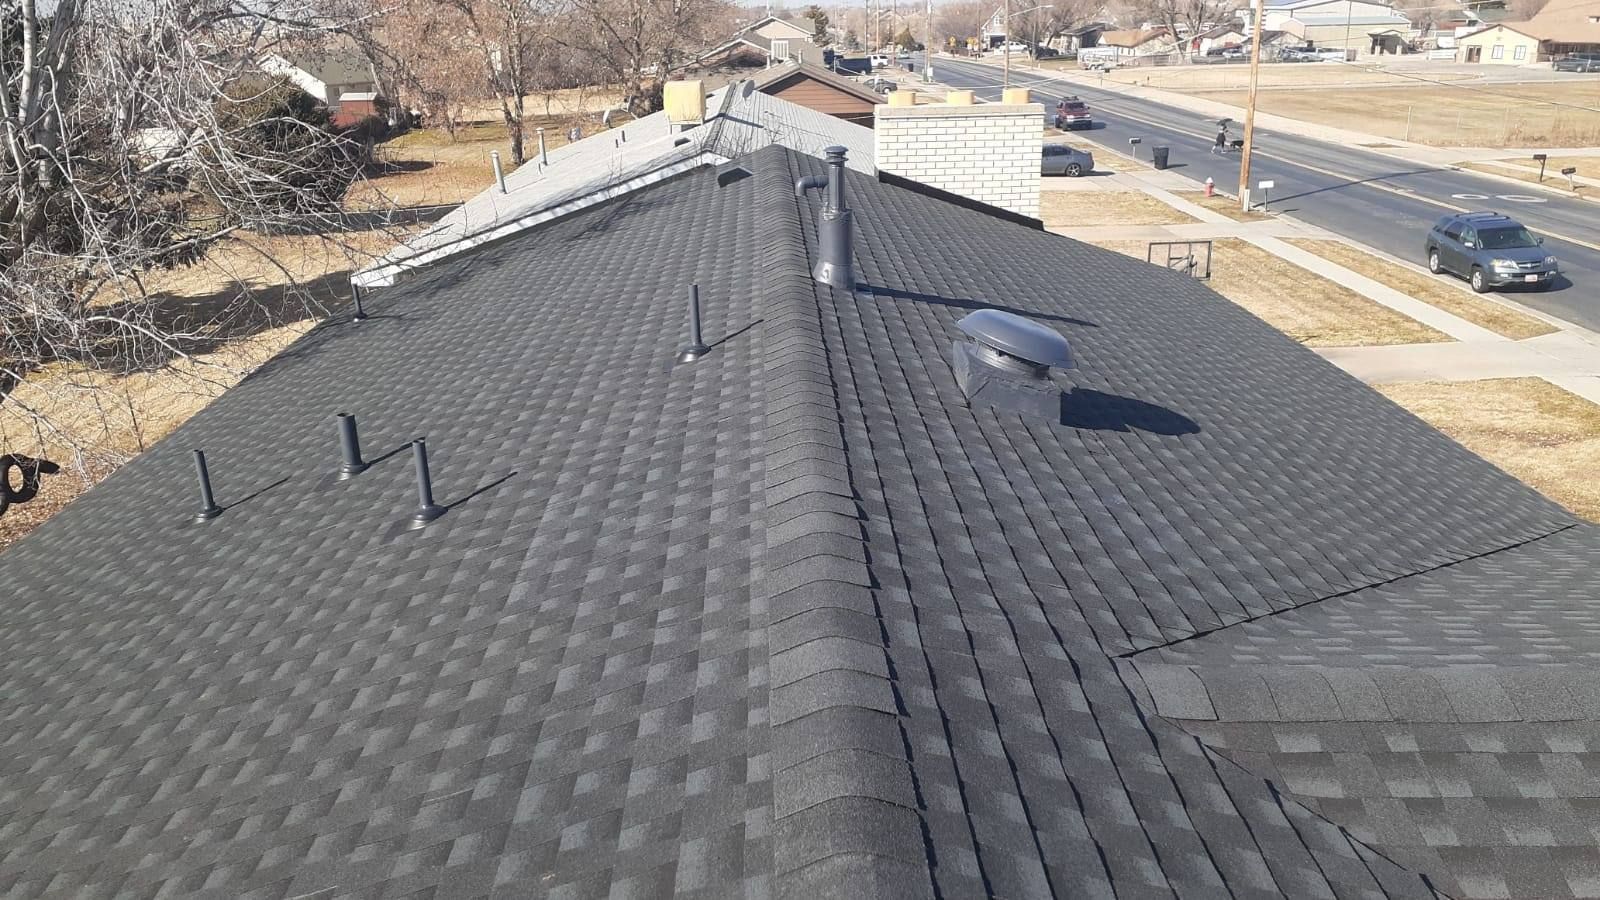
[[835, 702]]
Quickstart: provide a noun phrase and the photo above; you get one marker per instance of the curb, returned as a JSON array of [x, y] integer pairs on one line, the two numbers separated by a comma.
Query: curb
[[1560, 192]]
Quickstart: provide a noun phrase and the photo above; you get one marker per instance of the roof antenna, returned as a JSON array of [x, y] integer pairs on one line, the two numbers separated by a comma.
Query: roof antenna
[[697, 345], [833, 227], [208, 504], [350, 447], [427, 510]]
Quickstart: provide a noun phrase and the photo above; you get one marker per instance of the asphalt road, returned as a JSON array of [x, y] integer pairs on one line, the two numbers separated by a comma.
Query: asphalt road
[[1378, 200]]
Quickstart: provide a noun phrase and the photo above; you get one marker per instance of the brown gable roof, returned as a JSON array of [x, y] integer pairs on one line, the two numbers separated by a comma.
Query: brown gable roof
[[1566, 21], [1132, 37], [778, 76]]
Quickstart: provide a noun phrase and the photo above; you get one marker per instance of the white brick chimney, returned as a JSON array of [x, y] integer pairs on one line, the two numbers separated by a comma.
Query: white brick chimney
[[987, 152]]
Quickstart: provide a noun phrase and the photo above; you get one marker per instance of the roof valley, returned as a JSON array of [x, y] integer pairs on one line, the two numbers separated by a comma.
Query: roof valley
[[844, 808], [1155, 649]]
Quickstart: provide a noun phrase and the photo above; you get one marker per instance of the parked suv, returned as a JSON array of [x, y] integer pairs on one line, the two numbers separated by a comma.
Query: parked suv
[[1073, 113], [1489, 250], [1578, 62]]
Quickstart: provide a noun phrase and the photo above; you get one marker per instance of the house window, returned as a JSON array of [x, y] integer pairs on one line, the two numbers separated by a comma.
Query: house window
[[1499, 52], [780, 49], [1519, 53]]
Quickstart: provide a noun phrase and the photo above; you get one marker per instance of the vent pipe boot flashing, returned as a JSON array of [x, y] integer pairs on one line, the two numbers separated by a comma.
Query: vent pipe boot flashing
[[833, 226], [1007, 364], [208, 504], [350, 448], [697, 345], [427, 510]]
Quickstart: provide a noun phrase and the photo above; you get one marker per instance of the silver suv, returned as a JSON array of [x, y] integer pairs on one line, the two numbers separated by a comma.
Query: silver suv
[[1490, 251]]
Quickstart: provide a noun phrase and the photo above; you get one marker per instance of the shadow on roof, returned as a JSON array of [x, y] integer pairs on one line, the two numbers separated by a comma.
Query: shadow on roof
[[1085, 408], [960, 303]]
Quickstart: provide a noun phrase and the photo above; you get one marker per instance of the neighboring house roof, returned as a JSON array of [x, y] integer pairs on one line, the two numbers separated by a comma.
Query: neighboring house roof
[[805, 27], [1132, 37], [337, 62], [1222, 31], [739, 119], [778, 76], [796, 618], [804, 50], [1515, 27], [1565, 22]]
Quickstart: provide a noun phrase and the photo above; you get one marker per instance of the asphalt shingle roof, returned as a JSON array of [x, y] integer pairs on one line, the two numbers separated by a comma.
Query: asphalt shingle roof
[[792, 619]]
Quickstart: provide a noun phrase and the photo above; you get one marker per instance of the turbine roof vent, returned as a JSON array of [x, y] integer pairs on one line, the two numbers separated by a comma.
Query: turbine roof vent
[[1020, 339], [1007, 364]]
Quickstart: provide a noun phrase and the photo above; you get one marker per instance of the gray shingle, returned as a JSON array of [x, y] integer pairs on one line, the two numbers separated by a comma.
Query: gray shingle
[[792, 619]]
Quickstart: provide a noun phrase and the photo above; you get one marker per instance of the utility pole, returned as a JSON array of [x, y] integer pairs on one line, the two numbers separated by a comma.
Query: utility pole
[[1005, 26], [927, 48], [1250, 105]]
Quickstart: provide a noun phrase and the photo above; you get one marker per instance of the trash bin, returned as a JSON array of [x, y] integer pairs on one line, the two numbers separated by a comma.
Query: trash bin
[[1158, 156]]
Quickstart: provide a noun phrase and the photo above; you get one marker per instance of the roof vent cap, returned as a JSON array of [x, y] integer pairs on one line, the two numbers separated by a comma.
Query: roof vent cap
[[1017, 343], [1007, 365]]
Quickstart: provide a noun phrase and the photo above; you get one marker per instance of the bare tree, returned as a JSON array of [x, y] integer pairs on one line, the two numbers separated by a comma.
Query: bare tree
[[1184, 19], [640, 43], [506, 36], [1523, 10], [963, 20], [137, 138], [1039, 27]]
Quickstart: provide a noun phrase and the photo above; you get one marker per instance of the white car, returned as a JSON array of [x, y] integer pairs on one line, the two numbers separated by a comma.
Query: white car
[[879, 61]]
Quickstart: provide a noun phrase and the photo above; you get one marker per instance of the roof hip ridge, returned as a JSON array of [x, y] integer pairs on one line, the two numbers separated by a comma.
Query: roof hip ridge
[[1135, 654], [844, 808]]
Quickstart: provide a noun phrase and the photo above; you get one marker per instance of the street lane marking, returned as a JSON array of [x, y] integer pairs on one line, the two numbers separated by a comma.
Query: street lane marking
[[1397, 191]]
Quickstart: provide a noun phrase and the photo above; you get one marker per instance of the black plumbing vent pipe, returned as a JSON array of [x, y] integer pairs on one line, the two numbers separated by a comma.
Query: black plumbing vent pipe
[[697, 345], [349, 448], [427, 510], [208, 503], [834, 265], [355, 293]]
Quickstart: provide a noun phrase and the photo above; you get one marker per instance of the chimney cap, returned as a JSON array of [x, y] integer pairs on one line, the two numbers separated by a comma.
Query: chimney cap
[[1016, 336]]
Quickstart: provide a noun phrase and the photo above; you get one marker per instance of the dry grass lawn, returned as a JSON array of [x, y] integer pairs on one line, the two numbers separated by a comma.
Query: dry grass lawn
[[1084, 209], [107, 414], [1586, 166], [1236, 76], [1301, 304], [427, 167], [1514, 115], [1228, 206], [1435, 291], [1548, 437]]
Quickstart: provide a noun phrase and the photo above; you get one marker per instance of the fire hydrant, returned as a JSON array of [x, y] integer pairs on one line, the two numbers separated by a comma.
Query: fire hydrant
[[1211, 189]]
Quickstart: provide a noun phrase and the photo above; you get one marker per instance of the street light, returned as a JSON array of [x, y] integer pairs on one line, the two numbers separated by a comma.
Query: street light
[[1007, 27]]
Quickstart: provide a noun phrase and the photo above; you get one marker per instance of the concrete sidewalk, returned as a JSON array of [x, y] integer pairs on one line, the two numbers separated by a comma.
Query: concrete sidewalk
[[1562, 358]]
